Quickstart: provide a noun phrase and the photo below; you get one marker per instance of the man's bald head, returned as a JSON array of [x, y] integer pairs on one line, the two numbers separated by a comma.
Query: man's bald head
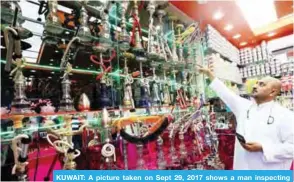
[[274, 83], [266, 89]]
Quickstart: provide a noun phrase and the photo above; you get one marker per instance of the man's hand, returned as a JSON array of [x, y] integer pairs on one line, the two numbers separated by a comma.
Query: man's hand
[[252, 147], [207, 71]]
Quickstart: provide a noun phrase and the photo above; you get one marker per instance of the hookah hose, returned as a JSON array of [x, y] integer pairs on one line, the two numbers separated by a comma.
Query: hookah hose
[[145, 139], [38, 155], [94, 59], [108, 150], [47, 177], [136, 23]]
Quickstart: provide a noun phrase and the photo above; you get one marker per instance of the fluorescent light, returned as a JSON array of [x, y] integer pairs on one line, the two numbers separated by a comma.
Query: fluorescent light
[[236, 36], [271, 34], [33, 71], [243, 43], [258, 13], [229, 27], [218, 15]]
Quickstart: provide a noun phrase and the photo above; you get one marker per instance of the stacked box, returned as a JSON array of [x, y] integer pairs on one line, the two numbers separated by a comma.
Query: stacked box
[[215, 41]]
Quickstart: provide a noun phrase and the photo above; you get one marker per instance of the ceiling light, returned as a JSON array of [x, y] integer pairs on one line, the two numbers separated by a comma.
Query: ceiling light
[[218, 15], [258, 13], [51, 64], [51, 60], [33, 71], [52, 72], [67, 32], [32, 76], [271, 34], [202, 1], [236, 36], [77, 67], [229, 27], [243, 43], [56, 51], [49, 77]]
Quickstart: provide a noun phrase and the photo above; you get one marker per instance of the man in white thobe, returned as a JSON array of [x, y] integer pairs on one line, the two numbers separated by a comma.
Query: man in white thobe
[[267, 127]]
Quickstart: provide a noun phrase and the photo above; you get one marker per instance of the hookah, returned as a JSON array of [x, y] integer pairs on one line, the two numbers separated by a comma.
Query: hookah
[[180, 95], [140, 57], [104, 80], [174, 54], [185, 85], [124, 38], [53, 24], [160, 154], [179, 28], [164, 48], [108, 149], [84, 32], [140, 147], [128, 101], [152, 54], [166, 98], [104, 43], [156, 102], [19, 103], [66, 103]]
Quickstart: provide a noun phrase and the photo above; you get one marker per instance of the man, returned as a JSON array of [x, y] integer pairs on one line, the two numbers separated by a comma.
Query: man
[[267, 127]]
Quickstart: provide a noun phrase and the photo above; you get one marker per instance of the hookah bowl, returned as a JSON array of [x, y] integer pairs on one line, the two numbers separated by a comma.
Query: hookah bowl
[[144, 99]]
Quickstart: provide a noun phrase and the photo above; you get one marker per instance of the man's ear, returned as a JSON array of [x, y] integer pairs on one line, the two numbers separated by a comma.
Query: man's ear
[[274, 92]]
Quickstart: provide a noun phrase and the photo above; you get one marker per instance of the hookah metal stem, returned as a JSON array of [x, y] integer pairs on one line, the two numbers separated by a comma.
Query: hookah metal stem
[[125, 152]]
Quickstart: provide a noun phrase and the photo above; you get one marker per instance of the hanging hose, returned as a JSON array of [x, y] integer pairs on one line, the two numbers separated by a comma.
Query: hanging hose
[[105, 70], [9, 40], [63, 59]]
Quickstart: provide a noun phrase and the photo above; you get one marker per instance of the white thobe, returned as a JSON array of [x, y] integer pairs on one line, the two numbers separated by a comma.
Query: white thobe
[[268, 124]]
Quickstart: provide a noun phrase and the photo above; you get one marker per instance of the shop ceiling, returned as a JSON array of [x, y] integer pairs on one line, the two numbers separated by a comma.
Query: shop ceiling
[[229, 19]]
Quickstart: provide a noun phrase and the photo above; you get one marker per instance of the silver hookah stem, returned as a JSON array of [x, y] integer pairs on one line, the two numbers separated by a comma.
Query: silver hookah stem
[[125, 153], [160, 155], [140, 162], [151, 10]]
